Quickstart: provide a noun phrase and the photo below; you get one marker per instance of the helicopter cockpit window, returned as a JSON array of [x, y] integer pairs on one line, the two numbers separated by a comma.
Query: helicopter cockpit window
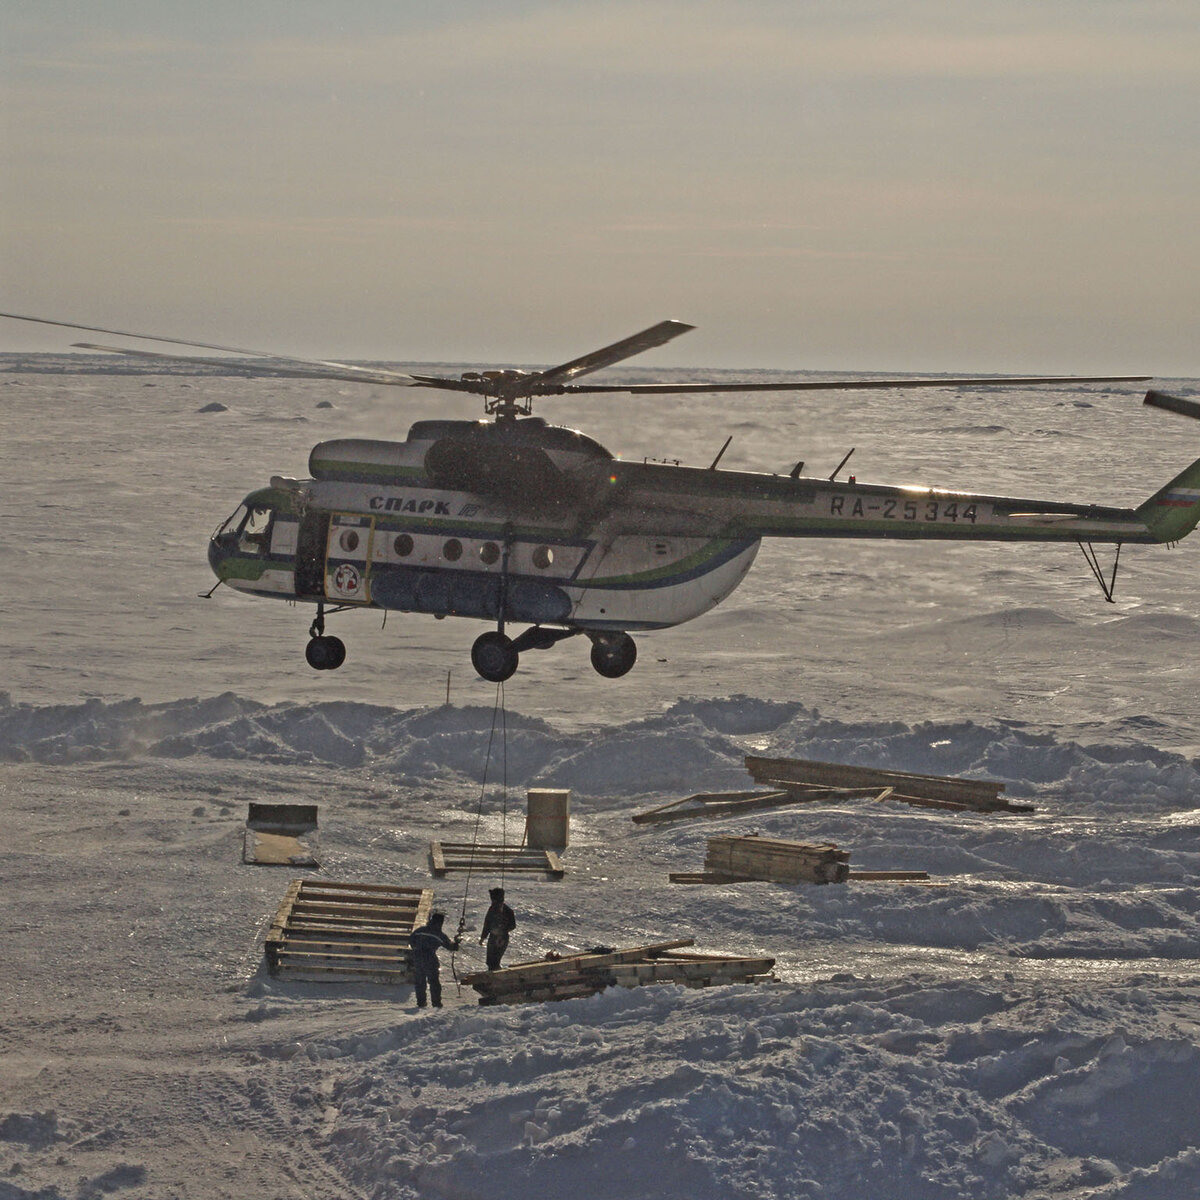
[[255, 534], [228, 528]]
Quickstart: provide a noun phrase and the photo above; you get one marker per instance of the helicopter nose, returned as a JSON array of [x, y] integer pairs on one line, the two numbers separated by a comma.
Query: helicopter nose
[[218, 554]]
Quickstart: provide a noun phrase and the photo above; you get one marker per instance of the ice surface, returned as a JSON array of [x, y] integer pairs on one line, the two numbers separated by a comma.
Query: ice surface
[[1027, 1030]]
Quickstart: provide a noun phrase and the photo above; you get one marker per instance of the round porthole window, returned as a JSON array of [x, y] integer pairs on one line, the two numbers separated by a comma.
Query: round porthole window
[[452, 550], [349, 540], [543, 556], [403, 545], [489, 553]]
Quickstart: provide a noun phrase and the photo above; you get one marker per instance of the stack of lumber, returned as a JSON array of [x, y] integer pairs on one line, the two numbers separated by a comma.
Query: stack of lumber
[[799, 776], [776, 860], [804, 781], [445, 857], [586, 974], [756, 859], [346, 931]]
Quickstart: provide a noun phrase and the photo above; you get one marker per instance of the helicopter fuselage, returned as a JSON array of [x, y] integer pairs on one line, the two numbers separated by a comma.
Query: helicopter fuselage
[[520, 521]]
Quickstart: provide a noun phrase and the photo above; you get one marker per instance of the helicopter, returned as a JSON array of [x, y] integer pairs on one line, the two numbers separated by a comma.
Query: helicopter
[[518, 522]]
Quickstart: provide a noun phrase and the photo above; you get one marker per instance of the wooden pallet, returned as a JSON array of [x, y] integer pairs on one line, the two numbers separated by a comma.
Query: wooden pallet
[[346, 931], [446, 857], [585, 974]]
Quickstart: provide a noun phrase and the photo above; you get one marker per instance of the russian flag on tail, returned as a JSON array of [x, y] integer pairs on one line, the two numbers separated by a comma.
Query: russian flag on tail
[[1178, 498]]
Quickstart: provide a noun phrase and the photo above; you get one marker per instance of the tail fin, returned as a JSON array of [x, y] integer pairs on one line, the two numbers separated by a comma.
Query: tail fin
[[1174, 511]]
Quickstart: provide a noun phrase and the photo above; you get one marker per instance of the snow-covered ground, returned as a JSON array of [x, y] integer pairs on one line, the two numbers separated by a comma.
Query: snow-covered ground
[[1026, 1029]]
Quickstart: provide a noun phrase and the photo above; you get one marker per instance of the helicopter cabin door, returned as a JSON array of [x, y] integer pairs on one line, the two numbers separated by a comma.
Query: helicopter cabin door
[[310, 554], [348, 558]]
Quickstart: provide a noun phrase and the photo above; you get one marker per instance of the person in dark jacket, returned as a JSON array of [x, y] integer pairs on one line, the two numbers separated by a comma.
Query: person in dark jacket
[[425, 943], [498, 923]]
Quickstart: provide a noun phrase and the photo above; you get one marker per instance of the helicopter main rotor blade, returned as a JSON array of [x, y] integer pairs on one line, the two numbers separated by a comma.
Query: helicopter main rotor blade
[[656, 335], [345, 371], [841, 385], [271, 369]]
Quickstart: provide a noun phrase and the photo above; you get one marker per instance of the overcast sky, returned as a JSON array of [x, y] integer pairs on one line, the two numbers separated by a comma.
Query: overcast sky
[[963, 185]]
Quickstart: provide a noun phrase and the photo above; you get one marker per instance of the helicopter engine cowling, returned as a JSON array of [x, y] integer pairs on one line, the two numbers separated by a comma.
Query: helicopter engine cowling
[[523, 476], [527, 464]]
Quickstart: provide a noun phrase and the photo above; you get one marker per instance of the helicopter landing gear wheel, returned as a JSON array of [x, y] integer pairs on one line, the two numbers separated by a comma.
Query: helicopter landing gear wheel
[[493, 656], [613, 655], [325, 653]]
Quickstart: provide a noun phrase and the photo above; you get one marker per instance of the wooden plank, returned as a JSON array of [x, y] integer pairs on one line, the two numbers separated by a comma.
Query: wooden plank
[[649, 814], [875, 876], [305, 912], [285, 907], [349, 902], [889, 793], [699, 802], [439, 861], [362, 911], [706, 877], [977, 792], [485, 849], [712, 806], [327, 969], [390, 889], [316, 900], [364, 956], [347, 933], [424, 908]]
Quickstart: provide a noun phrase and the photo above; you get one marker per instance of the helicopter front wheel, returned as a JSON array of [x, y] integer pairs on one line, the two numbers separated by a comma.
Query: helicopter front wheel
[[613, 654], [325, 653], [493, 656]]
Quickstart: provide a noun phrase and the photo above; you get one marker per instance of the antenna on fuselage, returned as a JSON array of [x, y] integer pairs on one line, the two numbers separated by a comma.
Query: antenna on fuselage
[[720, 452], [840, 465]]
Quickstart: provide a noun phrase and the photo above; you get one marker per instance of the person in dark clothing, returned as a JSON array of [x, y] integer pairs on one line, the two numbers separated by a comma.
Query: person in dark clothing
[[425, 943], [498, 923]]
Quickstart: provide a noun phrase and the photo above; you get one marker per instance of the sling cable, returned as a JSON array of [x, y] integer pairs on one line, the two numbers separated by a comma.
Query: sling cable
[[500, 721]]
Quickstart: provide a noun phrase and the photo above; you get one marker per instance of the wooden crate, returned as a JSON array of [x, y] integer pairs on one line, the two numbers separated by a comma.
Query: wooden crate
[[281, 835], [346, 931], [585, 974], [777, 860], [447, 857]]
